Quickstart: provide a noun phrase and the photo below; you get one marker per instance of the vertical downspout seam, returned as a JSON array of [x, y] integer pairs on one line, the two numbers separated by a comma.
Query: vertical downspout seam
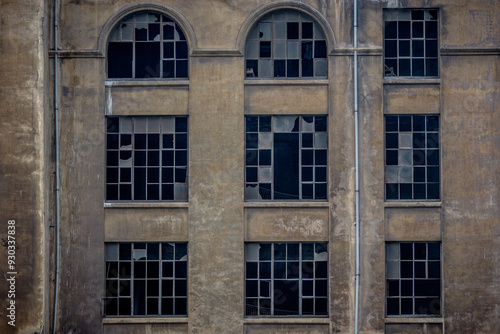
[[56, 139], [356, 153]]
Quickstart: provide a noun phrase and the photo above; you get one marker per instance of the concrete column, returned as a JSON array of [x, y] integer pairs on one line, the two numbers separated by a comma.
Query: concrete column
[[216, 239]]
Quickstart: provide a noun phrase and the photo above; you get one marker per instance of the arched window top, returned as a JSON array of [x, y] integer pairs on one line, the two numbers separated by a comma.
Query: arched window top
[[286, 44], [147, 44]]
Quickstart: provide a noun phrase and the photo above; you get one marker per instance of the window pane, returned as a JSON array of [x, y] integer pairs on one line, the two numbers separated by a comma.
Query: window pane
[[410, 42]]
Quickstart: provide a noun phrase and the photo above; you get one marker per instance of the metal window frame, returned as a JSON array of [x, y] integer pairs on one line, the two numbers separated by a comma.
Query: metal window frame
[[412, 166], [300, 166], [411, 39], [160, 279], [131, 19], [270, 18], [160, 166], [300, 280], [400, 279]]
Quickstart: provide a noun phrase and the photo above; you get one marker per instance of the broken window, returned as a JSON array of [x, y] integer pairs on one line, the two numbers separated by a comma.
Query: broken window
[[147, 45], [411, 43], [286, 158], [146, 279], [286, 44], [286, 279], [412, 157], [413, 272], [146, 158]]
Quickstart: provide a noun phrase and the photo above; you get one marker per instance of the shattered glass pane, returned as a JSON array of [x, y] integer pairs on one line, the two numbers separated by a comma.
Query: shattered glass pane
[[321, 251], [252, 192], [138, 253], [141, 17], [127, 31], [284, 123], [254, 33], [265, 31], [307, 124]]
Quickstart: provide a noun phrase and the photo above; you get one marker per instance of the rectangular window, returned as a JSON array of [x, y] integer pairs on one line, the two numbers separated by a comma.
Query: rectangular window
[[411, 43], [413, 271], [146, 158], [146, 279], [286, 158], [412, 157], [286, 279]]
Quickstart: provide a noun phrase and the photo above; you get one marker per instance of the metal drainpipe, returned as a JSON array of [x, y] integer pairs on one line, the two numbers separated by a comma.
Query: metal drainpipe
[[56, 126], [356, 153]]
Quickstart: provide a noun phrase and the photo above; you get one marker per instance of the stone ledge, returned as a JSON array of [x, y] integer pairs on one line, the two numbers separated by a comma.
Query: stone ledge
[[152, 320], [423, 320]]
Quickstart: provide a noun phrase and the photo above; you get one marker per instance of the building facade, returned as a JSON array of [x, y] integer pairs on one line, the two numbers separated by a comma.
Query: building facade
[[253, 166]]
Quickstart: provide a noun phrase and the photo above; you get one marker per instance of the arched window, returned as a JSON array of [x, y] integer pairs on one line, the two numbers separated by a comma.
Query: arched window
[[288, 44], [147, 45]]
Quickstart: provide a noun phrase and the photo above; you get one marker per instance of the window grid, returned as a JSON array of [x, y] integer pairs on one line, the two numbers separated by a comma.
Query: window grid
[[412, 157], [286, 279], [411, 43], [286, 44], [413, 279], [146, 279], [147, 45], [146, 158], [264, 171]]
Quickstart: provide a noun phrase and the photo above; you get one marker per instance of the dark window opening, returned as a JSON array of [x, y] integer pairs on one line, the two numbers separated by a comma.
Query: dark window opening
[[147, 45], [146, 158], [286, 44], [411, 43], [413, 279], [286, 279], [146, 279], [412, 157], [286, 158]]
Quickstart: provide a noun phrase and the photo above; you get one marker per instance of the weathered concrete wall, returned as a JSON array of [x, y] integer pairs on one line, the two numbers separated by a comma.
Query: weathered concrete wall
[[471, 210], [216, 222], [24, 166], [82, 140]]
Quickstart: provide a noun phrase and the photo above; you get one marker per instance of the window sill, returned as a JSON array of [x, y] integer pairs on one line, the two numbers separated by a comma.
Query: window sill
[[287, 204], [412, 204], [286, 82], [152, 320], [173, 205], [411, 81], [421, 320], [147, 82], [277, 320]]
